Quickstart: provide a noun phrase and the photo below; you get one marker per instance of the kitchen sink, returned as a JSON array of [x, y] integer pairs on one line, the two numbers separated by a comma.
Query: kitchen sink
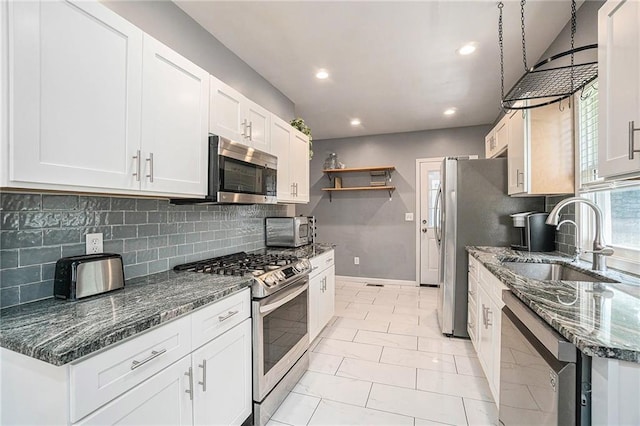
[[552, 271]]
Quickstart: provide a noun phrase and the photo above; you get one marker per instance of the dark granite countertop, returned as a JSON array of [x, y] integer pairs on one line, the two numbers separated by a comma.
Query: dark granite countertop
[[308, 251], [601, 319], [58, 331]]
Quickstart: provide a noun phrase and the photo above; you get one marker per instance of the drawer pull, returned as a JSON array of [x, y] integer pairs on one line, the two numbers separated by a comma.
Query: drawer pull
[[330, 260], [154, 354], [226, 317], [204, 375], [472, 293], [190, 390]]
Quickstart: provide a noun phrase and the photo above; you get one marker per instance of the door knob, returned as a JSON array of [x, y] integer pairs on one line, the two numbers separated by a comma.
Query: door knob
[[424, 230], [424, 221]]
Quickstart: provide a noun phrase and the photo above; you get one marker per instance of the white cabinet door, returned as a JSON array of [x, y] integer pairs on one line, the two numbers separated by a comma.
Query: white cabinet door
[[619, 87], [225, 116], [327, 300], [517, 154], [175, 112], [76, 93], [501, 136], [281, 134], [316, 282], [161, 400], [299, 164], [485, 334], [222, 378], [258, 134]]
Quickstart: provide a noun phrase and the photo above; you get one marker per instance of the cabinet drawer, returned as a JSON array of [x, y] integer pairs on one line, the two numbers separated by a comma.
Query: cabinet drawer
[[100, 378], [213, 320], [319, 263]]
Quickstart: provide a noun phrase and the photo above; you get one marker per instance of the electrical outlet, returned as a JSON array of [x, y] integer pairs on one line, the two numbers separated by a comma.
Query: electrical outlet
[[408, 217], [356, 260], [94, 243]]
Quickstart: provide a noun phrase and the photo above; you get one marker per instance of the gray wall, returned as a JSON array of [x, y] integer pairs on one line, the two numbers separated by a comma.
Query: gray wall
[[367, 224], [167, 23], [152, 235]]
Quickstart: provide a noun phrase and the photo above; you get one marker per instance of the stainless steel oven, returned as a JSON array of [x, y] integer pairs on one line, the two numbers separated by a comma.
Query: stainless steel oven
[[280, 340], [538, 372]]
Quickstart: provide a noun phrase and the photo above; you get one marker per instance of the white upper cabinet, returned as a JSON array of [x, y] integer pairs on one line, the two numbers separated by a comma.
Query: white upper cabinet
[[237, 118], [175, 122], [292, 149], [76, 72], [517, 164], [619, 88]]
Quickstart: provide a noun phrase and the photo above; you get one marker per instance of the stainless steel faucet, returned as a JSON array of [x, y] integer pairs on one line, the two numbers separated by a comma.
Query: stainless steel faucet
[[600, 250], [577, 251]]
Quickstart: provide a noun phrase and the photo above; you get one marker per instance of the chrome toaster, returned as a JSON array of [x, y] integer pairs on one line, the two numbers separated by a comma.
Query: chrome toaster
[[87, 275]]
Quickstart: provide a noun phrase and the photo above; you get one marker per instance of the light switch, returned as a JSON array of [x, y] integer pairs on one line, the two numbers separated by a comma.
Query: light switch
[[408, 217]]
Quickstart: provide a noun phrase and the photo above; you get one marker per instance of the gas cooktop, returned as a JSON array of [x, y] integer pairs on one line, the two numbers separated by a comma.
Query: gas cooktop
[[270, 272]]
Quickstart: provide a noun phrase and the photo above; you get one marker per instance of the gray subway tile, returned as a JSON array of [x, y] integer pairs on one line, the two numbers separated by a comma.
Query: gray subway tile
[[176, 239], [39, 255], [135, 218], [36, 291], [173, 217], [157, 217], [104, 230], [158, 266], [19, 239], [206, 215], [185, 249], [123, 204], [19, 276], [129, 258], [159, 241], [8, 259], [20, 202], [168, 228], [184, 228], [73, 249], [148, 230], [61, 236], [9, 221], [178, 260], [146, 204], [59, 202], [113, 246], [200, 247], [9, 296], [193, 216], [214, 226], [135, 244], [37, 220], [201, 226], [207, 236], [192, 237], [48, 271], [76, 219], [124, 231], [146, 255], [109, 218], [138, 270], [166, 252], [94, 203]]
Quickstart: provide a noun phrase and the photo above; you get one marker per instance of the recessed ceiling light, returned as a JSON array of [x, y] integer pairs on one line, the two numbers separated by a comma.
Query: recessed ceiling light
[[449, 111], [355, 122], [322, 74], [467, 49]]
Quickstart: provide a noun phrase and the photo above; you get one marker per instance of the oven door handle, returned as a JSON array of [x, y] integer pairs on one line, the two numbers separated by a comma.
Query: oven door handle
[[284, 298]]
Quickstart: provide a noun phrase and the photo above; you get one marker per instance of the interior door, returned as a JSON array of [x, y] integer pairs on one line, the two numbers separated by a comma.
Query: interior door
[[429, 185]]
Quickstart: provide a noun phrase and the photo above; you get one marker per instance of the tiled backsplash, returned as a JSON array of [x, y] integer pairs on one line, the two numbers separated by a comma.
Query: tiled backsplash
[[151, 234], [565, 236]]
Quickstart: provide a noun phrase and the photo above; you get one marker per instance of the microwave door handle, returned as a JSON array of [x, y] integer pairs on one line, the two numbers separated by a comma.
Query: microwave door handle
[[283, 299]]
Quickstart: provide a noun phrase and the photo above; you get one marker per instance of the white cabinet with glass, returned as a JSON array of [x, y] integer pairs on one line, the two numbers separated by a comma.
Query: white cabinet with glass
[[619, 89], [235, 117]]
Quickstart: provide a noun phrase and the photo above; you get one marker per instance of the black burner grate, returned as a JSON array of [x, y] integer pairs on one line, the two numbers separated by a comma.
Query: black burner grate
[[238, 264]]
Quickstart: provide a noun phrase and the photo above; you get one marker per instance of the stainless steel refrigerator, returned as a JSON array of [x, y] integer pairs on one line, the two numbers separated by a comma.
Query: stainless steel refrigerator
[[473, 210]]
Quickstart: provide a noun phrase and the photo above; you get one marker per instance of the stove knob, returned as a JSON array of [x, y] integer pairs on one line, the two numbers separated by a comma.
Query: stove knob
[[270, 280]]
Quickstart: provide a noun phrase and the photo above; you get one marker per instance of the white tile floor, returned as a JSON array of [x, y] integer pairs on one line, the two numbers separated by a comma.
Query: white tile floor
[[382, 361]]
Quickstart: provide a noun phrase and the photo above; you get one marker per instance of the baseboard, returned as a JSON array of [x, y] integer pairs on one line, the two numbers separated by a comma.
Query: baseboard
[[381, 281]]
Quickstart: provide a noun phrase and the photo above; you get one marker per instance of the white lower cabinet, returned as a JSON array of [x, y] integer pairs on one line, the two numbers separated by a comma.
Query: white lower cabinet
[[322, 291], [486, 307], [161, 377]]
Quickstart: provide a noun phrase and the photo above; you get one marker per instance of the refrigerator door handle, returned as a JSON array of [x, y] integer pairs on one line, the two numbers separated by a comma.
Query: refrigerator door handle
[[437, 225]]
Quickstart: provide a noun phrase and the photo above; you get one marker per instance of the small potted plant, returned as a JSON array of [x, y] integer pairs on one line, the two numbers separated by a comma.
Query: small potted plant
[[299, 124]]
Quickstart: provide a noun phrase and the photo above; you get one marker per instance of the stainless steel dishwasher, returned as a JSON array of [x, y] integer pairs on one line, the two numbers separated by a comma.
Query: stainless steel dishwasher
[[539, 375]]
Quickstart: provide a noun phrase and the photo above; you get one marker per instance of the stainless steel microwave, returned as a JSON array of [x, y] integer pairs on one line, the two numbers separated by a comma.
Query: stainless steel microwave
[[238, 174], [289, 231]]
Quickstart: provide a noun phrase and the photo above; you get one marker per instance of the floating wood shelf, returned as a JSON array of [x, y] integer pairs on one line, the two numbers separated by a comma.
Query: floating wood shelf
[[373, 171]]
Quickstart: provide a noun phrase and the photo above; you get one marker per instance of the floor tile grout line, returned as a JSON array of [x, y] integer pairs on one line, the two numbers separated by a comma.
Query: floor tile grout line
[[314, 411], [464, 406]]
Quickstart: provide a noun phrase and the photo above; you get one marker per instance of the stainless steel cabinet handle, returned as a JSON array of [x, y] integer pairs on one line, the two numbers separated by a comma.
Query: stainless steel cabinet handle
[[472, 293], [330, 260], [226, 317], [137, 159], [484, 316], [489, 316], [154, 354], [204, 375], [250, 126], [244, 128], [190, 390], [632, 130], [471, 324], [150, 160]]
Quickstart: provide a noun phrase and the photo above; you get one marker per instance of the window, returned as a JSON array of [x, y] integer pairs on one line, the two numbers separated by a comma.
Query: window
[[619, 201]]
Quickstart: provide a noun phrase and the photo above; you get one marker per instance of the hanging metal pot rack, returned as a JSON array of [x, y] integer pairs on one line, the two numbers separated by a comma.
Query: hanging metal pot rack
[[546, 82]]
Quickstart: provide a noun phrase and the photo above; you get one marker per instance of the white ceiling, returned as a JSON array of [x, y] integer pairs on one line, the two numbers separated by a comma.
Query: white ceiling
[[392, 64]]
